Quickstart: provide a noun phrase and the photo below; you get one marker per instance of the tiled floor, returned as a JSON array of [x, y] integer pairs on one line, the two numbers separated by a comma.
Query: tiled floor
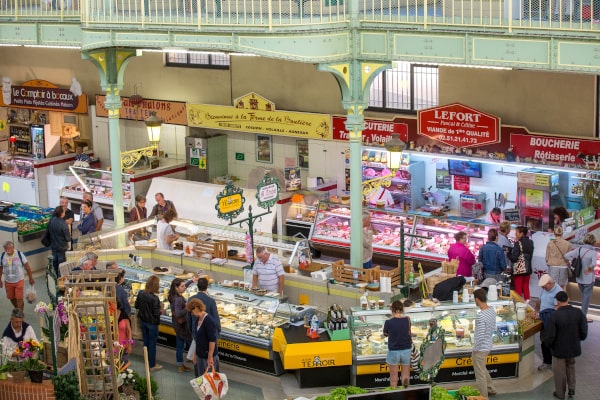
[[250, 385]]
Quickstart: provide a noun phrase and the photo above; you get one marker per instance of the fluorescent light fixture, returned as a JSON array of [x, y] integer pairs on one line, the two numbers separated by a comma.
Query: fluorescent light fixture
[[53, 47], [81, 181], [126, 229], [500, 162], [395, 65], [10, 45]]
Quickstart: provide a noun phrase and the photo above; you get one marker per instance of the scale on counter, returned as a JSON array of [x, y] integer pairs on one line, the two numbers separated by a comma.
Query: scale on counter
[[299, 312]]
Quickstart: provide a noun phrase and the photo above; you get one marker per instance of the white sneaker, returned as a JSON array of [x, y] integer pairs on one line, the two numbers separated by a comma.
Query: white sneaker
[[544, 367]]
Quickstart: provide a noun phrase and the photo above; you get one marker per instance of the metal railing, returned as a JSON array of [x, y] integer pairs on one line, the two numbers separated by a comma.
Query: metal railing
[[260, 15]]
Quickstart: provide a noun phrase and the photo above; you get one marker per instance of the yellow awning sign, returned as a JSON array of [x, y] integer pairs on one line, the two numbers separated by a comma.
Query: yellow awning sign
[[281, 123], [230, 203]]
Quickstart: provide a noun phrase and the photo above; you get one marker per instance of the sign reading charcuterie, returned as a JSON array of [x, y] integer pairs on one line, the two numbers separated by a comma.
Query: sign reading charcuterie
[[457, 125], [376, 132]]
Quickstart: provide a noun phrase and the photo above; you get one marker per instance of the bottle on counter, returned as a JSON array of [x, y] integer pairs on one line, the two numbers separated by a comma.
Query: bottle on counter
[[411, 277]]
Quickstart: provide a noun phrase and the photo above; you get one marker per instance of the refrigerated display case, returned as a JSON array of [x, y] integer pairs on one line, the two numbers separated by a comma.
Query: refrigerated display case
[[332, 230], [369, 368], [248, 320], [300, 211]]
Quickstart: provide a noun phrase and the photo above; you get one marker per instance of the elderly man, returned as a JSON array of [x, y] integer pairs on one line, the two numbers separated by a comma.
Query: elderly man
[[17, 330], [13, 265], [161, 206], [544, 308], [96, 210], [268, 271], [87, 262]]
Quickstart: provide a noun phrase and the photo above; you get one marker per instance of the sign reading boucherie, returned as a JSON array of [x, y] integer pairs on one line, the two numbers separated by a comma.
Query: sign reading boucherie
[[457, 125], [561, 150]]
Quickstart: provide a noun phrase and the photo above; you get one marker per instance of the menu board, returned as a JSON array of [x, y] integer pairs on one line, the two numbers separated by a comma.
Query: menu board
[[512, 215]]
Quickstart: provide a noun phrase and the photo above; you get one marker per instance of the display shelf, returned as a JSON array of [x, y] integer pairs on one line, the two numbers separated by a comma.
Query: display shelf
[[458, 321], [434, 235], [99, 183], [19, 167]]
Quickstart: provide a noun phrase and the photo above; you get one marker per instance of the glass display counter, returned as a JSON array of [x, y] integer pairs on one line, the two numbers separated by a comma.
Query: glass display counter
[[458, 320], [99, 183], [248, 320], [435, 234]]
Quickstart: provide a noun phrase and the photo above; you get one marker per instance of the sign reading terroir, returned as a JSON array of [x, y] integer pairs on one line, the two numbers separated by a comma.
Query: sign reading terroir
[[230, 202]]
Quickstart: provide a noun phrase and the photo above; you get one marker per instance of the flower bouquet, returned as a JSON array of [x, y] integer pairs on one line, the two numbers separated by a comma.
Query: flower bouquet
[[59, 318]]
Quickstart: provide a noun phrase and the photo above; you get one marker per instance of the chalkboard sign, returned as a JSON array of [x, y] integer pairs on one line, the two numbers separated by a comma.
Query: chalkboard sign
[[512, 215]]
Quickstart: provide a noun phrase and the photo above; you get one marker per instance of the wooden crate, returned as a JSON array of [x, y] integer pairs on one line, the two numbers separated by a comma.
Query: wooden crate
[[345, 273], [313, 266], [215, 249], [435, 279], [450, 267]]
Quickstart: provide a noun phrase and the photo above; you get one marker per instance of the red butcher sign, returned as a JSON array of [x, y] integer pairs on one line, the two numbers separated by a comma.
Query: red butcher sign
[[457, 125], [376, 132], [561, 150]]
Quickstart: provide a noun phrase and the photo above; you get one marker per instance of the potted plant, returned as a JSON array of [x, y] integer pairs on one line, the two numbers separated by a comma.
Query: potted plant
[[16, 370], [28, 353], [36, 368], [66, 387]]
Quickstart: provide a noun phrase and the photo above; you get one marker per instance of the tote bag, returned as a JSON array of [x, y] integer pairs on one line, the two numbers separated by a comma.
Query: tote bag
[[520, 267]]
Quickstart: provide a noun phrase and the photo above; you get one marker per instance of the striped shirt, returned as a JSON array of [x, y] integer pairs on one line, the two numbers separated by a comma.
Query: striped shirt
[[269, 273], [485, 325]]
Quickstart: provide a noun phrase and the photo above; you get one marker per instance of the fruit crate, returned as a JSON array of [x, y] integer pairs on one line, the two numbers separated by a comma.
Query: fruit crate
[[345, 273]]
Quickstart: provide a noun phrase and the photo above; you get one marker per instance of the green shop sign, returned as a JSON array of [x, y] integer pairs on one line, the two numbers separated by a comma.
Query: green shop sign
[[230, 202]]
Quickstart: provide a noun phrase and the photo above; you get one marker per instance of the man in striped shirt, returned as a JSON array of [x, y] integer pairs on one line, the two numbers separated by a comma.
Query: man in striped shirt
[[268, 271], [485, 324]]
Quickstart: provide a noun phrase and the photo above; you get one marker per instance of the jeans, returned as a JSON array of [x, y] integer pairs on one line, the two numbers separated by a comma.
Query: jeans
[[200, 367], [150, 335], [58, 257], [180, 345], [586, 296], [483, 380]]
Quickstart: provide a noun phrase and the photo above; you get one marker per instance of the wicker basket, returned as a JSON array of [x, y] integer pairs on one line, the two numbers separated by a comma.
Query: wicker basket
[[18, 376]]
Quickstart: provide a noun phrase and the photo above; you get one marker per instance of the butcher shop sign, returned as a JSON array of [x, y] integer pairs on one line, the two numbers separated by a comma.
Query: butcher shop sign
[[457, 125]]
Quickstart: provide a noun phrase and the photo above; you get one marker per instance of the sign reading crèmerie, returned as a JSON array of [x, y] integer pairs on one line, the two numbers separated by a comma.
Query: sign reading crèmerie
[[247, 116]]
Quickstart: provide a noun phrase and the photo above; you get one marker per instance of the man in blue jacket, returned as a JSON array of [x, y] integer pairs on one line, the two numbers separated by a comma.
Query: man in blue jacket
[[492, 257], [563, 333]]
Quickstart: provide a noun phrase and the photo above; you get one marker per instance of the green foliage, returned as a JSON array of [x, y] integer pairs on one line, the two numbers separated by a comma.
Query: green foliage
[[141, 386], [66, 387], [33, 364], [341, 393], [466, 391], [15, 366], [439, 393]]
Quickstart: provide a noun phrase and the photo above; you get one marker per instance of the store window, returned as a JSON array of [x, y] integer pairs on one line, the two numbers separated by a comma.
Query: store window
[[197, 60], [406, 87]]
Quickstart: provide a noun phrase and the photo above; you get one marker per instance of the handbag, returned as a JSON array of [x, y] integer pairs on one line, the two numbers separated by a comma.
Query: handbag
[[570, 271], [520, 267], [415, 358], [211, 384], [46, 241]]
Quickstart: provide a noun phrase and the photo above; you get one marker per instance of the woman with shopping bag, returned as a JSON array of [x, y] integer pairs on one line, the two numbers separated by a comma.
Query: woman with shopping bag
[[205, 337]]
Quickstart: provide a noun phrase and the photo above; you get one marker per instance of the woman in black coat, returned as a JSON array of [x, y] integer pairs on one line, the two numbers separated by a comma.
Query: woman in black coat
[[149, 309], [60, 238], [183, 336], [523, 245]]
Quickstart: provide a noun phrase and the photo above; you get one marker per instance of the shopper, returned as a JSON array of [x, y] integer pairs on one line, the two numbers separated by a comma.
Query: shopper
[[563, 334], [16, 331], [139, 213], [268, 271], [125, 335], [485, 325], [494, 216], [88, 222], [503, 241], [397, 330], [558, 265], [69, 217], [122, 294], [544, 308], [149, 310], [492, 257], [205, 337], [460, 251], [13, 265], [164, 231], [60, 237], [367, 240], [559, 214], [161, 206], [96, 209], [183, 338], [586, 280], [523, 245], [209, 303]]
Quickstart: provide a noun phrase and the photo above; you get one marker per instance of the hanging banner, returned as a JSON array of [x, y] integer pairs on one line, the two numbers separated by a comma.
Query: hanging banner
[[376, 132], [562, 150], [281, 123], [171, 112], [43, 95], [457, 125]]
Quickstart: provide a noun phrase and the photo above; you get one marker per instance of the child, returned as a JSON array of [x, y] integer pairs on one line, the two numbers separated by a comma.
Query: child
[[125, 337]]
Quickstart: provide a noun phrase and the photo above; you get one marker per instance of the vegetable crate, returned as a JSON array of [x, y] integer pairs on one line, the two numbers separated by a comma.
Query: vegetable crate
[[435, 279], [345, 273], [215, 249], [395, 273], [450, 267], [312, 267]]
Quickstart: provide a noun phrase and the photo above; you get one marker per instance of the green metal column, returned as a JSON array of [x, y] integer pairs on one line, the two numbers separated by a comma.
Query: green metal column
[[355, 80], [111, 64]]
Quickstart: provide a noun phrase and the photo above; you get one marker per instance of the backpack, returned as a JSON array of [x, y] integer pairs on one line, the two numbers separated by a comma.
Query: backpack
[[18, 253], [577, 264]]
